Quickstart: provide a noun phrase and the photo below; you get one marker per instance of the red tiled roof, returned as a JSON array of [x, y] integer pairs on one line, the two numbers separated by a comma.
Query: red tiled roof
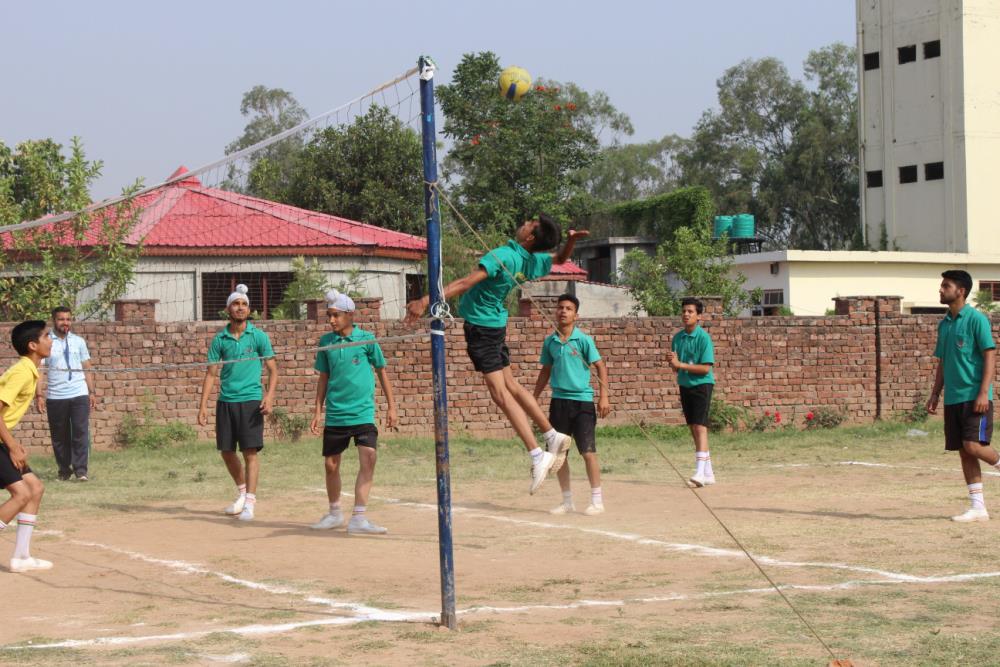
[[186, 217], [568, 270]]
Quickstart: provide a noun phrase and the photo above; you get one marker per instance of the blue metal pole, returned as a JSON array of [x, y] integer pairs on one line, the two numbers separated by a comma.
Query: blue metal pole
[[429, 135]]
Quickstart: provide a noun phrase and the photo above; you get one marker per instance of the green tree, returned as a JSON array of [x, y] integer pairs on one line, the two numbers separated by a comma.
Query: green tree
[[54, 264], [370, 170], [690, 264], [633, 171], [784, 150], [308, 282], [511, 160], [270, 111]]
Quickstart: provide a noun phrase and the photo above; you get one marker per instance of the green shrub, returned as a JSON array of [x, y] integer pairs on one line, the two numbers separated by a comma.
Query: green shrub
[[290, 427], [722, 416], [140, 431], [824, 418], [918, 413]]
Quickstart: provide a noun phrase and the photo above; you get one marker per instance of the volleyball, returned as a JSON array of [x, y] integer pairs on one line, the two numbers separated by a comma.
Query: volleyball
[[514, 83]]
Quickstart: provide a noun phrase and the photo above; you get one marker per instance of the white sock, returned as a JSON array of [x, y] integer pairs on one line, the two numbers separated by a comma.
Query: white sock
[[708, 465], [567, 497], [536, 454], [359, 510], [550, 435], [334, 507], [22, 543], [700, 458], [251, 500], [976, 496], [596, 497], [242, 488]]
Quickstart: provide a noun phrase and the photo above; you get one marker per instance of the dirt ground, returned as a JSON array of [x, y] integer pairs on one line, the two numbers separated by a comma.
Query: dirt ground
[[865, 552]]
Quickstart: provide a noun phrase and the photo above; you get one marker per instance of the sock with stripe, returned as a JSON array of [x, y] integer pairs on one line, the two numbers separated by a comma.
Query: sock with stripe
[[976, 496], [596, 496], [359, 510], [701, 458], [251, 500], [25, 527], [708, 465]]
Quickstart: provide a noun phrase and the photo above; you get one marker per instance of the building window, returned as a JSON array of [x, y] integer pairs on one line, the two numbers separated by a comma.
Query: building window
[[775, 267], [932, 49], [267, 289], [416, 286], [599, 266], [773, 297], [871, 60], [992, 286], [873, 178], [934, 171], [908, 174], [907, 54]]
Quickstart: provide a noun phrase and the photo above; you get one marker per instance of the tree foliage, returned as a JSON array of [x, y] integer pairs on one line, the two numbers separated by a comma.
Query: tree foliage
[[511, 160], [56, 264], [270, 111], [784, 150], [626, 172], [370, 170]]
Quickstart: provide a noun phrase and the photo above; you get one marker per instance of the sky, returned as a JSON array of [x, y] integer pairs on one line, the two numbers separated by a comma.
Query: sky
[[150, 86]]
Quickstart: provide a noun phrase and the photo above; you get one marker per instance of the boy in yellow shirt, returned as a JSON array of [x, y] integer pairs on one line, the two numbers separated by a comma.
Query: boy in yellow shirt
[[17, 390]]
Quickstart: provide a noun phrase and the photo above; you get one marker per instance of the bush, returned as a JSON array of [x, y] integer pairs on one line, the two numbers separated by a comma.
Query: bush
[[290, 427], [824, 418], [918, 413], [722, 416], [139, 431], [765, 422]]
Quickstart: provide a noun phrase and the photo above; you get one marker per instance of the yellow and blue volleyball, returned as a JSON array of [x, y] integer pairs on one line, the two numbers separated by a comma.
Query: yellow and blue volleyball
[[515, 82]]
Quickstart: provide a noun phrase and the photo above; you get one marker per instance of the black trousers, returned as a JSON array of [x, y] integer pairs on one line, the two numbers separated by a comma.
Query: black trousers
[[69, 425]]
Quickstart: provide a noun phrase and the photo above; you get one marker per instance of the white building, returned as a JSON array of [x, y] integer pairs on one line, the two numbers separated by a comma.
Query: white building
[[929, 124]]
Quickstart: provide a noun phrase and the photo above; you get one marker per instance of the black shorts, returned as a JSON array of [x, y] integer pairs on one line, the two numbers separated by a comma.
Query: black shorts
[[238, 424], [963, 424], [337, 438], [487, 347], [575, 418], [9, 474], [695, 402]]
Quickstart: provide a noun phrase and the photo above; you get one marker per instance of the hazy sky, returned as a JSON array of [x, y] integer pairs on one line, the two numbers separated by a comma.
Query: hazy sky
[[151, 86]]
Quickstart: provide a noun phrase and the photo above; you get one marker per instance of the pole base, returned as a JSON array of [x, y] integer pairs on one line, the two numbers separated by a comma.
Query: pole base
[[449, 620]]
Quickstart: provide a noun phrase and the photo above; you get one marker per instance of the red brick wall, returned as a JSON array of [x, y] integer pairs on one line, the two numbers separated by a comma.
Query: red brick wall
[[788, 363]]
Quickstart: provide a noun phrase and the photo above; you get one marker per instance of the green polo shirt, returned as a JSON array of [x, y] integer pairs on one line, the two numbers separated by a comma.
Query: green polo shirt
[[961, 341], [694, 348], [350, 391], [240, 381], [483, 305], [570, 361]]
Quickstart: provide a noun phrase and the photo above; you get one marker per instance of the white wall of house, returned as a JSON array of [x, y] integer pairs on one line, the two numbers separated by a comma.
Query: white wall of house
[[811, 278], [596, 299], [176, 282]]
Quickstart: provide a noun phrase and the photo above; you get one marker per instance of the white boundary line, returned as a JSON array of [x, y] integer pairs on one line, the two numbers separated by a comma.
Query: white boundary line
[[868, 464]]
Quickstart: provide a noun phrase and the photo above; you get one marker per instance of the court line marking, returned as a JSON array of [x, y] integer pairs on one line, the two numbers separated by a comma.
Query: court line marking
[[870, 464]]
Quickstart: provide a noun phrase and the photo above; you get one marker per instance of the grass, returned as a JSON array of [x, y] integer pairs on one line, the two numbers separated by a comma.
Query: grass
[[897, 626]]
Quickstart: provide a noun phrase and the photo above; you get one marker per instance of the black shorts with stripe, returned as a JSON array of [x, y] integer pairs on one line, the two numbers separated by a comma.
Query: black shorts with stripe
[[963, 424]]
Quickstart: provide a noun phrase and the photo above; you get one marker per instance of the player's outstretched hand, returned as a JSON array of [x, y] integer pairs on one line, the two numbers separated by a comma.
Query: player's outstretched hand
[[577, 233], [415, 310]]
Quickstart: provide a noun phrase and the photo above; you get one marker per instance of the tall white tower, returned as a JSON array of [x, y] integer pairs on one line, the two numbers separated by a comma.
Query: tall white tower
[[929, 77]]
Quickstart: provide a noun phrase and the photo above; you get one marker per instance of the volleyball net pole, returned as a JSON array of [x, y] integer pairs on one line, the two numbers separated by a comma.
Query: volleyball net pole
[[438, 307]]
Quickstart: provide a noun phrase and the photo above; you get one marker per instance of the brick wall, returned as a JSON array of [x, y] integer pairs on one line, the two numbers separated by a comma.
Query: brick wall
[[869, 359]]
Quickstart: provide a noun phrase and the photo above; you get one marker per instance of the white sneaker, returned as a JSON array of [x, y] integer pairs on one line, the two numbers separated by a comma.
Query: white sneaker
[[540, 470], [360, 525], [698, 481], [246, 514], [237, 506], [331, 520], [970, 515], [29, 564], [594, 510], [563, 508], [709, 480], [559, 447]]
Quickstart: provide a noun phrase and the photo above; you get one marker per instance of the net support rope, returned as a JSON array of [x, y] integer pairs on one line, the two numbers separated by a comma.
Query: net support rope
[[605, 389]]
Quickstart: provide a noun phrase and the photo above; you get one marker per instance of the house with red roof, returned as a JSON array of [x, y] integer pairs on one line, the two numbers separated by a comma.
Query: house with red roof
[[199, 242]]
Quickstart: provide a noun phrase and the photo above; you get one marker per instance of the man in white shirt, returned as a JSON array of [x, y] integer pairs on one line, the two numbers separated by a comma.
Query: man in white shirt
[[69, 397]]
